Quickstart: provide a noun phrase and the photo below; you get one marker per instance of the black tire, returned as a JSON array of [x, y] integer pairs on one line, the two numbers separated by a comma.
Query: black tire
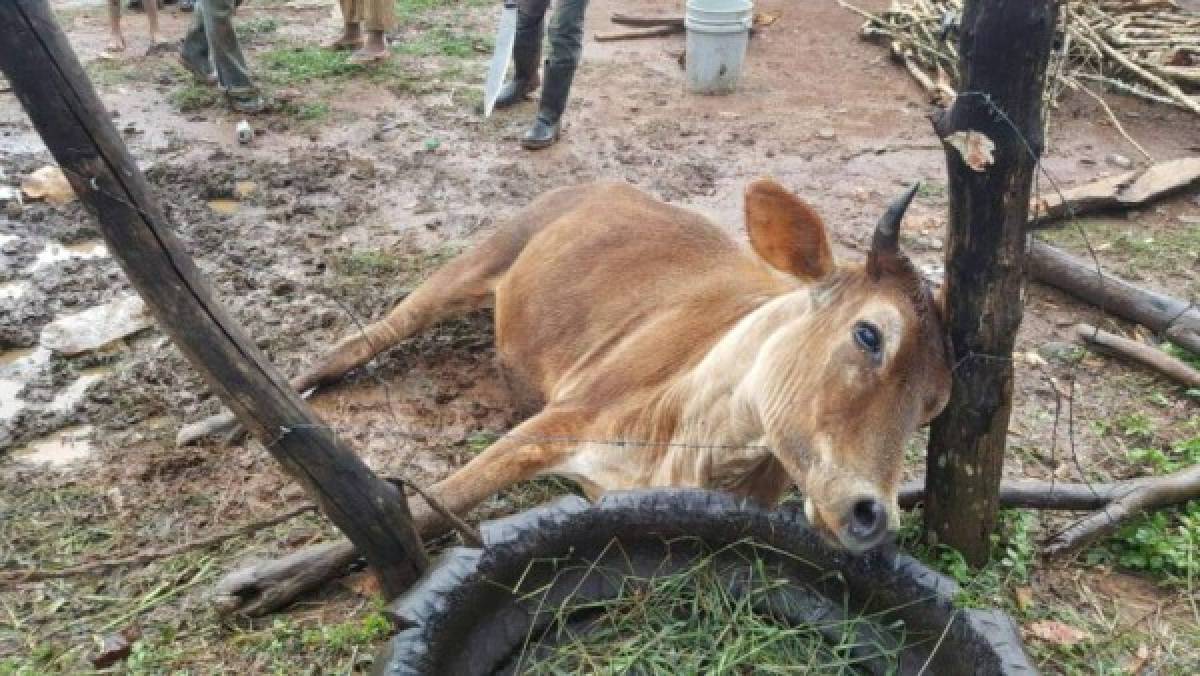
[[466, 617]]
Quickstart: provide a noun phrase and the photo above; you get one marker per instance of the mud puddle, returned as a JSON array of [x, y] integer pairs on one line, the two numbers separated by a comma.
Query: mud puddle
[[61, 449]]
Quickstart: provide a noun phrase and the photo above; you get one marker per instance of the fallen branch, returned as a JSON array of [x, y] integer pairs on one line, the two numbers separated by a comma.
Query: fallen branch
[[1163, 314], [1165, 491], [641, 21], [638, 35], [141, 559], [262, 588], [1126, 190], [1111, 344], [1038, 494]]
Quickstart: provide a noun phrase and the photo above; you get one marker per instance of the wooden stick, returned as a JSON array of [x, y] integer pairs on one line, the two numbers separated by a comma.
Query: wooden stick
[[1111, 344], [1166, 491], [55, 92], [638, 35], [1112, 117], [1039, 494], [1177, 320], [646, 21], [1168, 88]]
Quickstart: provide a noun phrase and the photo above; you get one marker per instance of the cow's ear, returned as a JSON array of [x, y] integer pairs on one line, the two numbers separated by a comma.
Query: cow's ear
[[786, 232]]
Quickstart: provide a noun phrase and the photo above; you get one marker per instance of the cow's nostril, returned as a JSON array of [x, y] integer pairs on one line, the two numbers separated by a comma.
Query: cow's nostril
[[868, 519]]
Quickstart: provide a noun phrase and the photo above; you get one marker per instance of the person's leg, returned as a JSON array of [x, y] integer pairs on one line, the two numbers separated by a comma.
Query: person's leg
[[566, 48], [526, 54], [193, 53], [352, 16], [116, 41], [232, 73], [152, 21], [380, 20]]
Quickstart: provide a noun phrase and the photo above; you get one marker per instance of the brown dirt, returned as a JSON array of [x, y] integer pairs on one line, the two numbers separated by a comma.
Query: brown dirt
[[355, 206]]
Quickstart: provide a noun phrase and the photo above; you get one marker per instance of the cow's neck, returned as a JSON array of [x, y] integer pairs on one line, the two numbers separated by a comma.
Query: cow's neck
[[718, 436]]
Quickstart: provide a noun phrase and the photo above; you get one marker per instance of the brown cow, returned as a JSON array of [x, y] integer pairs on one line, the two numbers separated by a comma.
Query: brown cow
[[662, 353]]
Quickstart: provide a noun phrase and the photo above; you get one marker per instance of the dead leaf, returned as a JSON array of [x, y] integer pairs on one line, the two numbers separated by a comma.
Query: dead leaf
[[1024, 597], [764, 19], [974, 148], [48, 183], [1058, 633], [1138, 661], [115, 647], [244, 190], [365, 584]]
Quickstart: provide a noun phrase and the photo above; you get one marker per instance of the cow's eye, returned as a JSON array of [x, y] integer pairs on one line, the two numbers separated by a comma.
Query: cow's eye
[[868, 337]]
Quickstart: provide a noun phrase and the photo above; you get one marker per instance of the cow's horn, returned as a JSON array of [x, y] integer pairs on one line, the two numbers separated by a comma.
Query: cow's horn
[[887, 232]]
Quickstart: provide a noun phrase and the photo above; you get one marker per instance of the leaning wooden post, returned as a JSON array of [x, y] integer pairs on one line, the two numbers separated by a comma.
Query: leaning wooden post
[[59, 99], [1003, 51]]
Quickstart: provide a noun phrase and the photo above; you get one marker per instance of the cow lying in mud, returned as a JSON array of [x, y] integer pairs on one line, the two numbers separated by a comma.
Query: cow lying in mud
[[630, 320]]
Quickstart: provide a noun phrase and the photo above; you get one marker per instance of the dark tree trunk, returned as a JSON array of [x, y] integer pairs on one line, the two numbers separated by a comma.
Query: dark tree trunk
[[1003, 52], [59, 99]]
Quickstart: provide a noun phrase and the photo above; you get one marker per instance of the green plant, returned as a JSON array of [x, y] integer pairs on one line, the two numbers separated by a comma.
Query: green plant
[[1135, 425], [195, 97], [293, 65], [255, 27], [445, 41], [1163, 542]]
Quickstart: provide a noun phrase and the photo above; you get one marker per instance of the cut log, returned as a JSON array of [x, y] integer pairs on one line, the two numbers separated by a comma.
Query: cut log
[[1149, 356], [1175, 319], [1165, 491], [1123, 191], [55, 92]]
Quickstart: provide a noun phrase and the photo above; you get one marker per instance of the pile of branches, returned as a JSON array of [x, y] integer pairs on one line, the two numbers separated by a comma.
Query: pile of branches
[[1145, 48]]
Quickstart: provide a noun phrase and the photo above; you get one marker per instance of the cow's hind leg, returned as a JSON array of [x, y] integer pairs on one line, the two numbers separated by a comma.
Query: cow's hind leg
[[534, 447]]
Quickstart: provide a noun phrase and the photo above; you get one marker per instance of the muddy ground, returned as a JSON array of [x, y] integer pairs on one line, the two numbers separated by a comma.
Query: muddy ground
[[359, 182]]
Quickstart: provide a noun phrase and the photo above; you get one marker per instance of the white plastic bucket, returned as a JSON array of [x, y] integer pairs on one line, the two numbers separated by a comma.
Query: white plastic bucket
[[717, 32]]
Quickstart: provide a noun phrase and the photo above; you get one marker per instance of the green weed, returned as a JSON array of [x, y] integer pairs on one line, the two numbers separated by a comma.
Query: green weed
[[295, 65], [445, 41], [194, 97]]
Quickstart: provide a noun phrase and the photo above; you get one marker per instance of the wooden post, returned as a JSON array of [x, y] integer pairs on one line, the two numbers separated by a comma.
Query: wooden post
[[59, 99], [1003, 51]]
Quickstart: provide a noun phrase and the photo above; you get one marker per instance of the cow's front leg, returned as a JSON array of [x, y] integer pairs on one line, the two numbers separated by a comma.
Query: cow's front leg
[[529, 449]]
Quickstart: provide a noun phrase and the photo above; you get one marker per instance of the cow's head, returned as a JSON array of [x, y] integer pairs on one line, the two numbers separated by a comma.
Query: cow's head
[[849, 365]]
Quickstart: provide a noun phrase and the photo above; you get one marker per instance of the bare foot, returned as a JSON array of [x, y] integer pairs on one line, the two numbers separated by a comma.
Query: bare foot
[[116, 44], [351, 38], [372, 52]]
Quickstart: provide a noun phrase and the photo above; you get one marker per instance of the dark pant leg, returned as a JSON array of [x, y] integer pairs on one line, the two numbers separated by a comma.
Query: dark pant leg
[[566, 49], [223, 44], [195, 43], [566, 33]]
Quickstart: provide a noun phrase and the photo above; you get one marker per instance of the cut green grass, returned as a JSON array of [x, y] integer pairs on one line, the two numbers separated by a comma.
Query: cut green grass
[[689, 622]]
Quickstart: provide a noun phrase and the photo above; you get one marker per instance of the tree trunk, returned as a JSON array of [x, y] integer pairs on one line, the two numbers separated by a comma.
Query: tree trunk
[[56, 94], [1003, 53]]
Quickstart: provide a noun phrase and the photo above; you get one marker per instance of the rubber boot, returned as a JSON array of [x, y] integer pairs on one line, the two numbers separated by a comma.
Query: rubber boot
[[527, 52], [544, 131]]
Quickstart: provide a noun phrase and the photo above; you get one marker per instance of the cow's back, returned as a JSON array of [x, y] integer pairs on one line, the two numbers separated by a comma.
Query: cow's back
[[620, 291]]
